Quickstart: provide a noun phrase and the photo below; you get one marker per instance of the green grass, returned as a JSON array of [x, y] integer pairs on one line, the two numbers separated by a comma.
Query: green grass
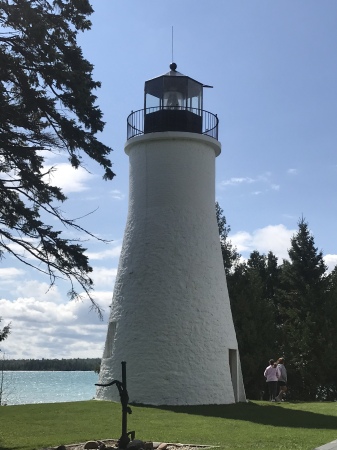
[[253, 425]]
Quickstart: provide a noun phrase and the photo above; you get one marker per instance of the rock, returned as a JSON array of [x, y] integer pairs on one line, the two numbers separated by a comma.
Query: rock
[[136, 444], [61, 447], [91, 444], [162, 446], [149, 446]]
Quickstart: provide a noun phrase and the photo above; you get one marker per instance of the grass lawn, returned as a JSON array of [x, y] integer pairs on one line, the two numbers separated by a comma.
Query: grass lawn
[[253, 425]]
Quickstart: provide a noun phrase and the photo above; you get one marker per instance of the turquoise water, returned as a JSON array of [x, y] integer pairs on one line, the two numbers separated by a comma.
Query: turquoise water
[[21, 388]]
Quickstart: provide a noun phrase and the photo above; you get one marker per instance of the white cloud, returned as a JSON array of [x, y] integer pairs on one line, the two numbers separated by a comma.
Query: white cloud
[[44, 323], [40, 291], [8, 273], [103, 298], [21, 284], [330, 261], [237, 181], [290, 217], [241, 240], [49, 330], [51, 154], [261, 180], [68, 178], [103, 276], [275, 238], [292, 171], [20, 251], [117, 195], [105, 254]]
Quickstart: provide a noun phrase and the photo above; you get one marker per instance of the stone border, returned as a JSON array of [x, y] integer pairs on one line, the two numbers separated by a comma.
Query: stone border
[[112, 443]]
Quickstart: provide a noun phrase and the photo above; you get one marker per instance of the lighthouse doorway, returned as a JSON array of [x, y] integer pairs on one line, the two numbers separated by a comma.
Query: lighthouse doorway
[[233, 365]]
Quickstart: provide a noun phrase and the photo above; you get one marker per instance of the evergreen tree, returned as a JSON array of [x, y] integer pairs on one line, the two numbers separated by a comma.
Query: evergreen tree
[[46, 103], [308, 267], [4, 332], [269, 273], [254, 318], [250, 316], [301, 302], [230, 255], [251, 289], [327, 389], [288, 310]]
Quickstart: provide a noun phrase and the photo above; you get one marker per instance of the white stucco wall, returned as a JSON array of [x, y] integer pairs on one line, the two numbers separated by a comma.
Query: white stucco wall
[[170, 317]]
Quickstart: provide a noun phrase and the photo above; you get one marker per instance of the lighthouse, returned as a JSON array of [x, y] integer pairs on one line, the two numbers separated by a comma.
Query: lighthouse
[[170, 317]]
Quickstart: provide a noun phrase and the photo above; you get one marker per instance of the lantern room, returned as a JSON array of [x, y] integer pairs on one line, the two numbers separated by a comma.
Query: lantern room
[[173, 102]]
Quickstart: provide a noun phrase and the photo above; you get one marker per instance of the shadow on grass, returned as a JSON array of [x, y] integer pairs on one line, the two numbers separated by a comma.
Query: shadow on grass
[[261, 414]]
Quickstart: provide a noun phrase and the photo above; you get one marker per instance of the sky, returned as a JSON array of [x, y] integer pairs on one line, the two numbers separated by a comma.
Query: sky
[[273, 68]]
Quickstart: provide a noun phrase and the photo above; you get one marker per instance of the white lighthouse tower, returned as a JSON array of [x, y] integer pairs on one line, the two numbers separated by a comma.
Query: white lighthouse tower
[[170, 316]]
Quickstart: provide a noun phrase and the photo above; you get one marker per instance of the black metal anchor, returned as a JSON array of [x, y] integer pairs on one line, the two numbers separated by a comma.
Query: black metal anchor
[[123, 394]]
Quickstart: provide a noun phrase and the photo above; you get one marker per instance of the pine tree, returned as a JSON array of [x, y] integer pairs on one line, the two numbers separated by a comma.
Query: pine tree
[[5, 331], [230, 255], [301, 305], [327, 389], [251, 289], [46, 103], [308, 267], [254, 320]]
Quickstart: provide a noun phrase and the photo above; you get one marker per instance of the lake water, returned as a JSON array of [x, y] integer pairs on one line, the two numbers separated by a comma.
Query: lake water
[[21, 388]]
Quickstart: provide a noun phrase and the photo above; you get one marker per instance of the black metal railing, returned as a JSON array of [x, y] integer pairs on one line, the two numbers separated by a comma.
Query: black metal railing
[[172, 119]]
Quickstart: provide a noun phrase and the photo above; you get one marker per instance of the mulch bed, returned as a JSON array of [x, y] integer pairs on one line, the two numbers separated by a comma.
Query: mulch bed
[[113, 444]]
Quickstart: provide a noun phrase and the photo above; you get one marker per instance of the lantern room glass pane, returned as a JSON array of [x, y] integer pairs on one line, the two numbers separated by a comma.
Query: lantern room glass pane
[[173, 100], [194, 103], [175, 90], [151, 101], [195, 96]]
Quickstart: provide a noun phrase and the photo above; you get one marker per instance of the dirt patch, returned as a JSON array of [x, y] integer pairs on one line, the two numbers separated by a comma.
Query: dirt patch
[[112, 443]]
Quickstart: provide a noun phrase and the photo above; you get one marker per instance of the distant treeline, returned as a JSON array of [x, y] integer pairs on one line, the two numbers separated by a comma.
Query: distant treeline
[[80, 364]]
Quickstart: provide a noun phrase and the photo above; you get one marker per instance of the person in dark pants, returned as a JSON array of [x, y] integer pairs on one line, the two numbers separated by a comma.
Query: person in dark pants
[[282, 380], [271, 375]]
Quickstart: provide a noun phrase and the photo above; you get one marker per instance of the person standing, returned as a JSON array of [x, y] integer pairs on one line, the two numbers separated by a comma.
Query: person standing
[[282, 380], [271, 375]]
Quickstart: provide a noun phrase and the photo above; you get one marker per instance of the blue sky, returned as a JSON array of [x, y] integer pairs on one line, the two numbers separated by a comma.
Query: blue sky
[[273, 66]]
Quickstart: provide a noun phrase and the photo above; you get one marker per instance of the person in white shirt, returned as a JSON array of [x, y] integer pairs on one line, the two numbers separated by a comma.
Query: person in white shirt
[[271, 375]]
